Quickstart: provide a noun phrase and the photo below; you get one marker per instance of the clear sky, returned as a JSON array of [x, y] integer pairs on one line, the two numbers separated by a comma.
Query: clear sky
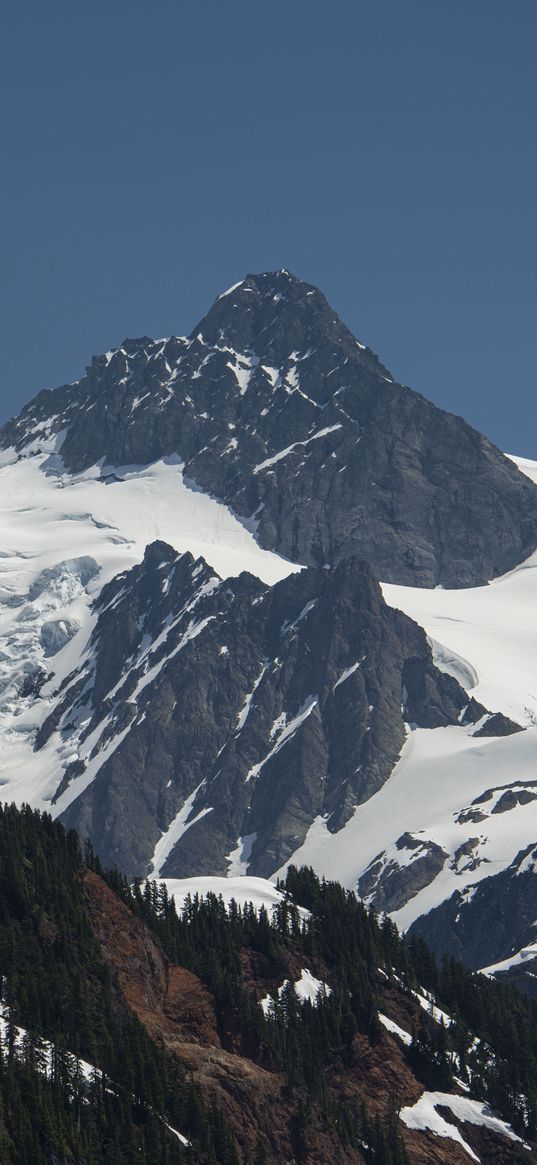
[[155, 152]]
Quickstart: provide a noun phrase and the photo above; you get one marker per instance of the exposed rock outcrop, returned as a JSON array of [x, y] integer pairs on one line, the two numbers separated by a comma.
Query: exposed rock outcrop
[[492, 922]]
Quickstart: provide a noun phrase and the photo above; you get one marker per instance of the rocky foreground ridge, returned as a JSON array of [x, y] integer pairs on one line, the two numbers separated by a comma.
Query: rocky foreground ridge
[[379, 1073]]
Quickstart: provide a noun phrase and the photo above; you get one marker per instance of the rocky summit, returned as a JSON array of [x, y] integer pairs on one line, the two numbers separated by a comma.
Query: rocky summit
[[278, 411]]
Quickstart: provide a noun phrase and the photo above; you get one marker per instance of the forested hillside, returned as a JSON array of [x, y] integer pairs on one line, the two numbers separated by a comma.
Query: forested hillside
[[311, 1035], [57, 988]]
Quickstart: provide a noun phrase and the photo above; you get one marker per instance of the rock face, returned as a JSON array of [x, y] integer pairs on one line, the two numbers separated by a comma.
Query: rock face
[[277, 410], [227, 716], [165, 998], [492, 924], [389, 884]]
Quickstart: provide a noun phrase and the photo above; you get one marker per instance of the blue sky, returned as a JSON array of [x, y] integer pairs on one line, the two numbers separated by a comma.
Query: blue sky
[[385, 151]]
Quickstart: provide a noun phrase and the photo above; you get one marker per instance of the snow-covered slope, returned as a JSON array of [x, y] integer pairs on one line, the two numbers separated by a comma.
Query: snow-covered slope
[[485, 636], [62, 537], [242, 889]]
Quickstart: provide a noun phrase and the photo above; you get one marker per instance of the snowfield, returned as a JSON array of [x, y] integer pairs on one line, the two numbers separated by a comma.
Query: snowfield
[[438, 775]]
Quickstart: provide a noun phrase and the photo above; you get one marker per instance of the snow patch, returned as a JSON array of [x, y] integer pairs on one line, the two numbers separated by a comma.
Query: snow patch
[[306, 988], [245, 710], [239, 858], [395, 1030], [526, 954], [424, 1117], [427, 1004], [175, 831], [287, 732], [291, 448], [349, 671], [233, 287]]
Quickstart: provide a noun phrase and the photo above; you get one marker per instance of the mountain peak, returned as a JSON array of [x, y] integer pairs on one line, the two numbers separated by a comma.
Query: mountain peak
[[278, 411], [269, 282], [271, 314]]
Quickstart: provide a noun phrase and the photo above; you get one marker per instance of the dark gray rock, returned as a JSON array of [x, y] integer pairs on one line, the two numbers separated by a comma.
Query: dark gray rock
[[389, 884], [473, 816], [277, 410], [473, 712], [494, 921], [267, 706], [498, 725], [513, 797], [465, 859], [514, 794]]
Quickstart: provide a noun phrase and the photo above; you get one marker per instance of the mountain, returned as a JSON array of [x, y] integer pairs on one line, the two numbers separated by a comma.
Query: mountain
[[198, 669], [275, 409], [302, 1031]]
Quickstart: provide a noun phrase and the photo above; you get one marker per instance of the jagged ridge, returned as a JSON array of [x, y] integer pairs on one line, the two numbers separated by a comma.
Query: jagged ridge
[[227, 716]]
